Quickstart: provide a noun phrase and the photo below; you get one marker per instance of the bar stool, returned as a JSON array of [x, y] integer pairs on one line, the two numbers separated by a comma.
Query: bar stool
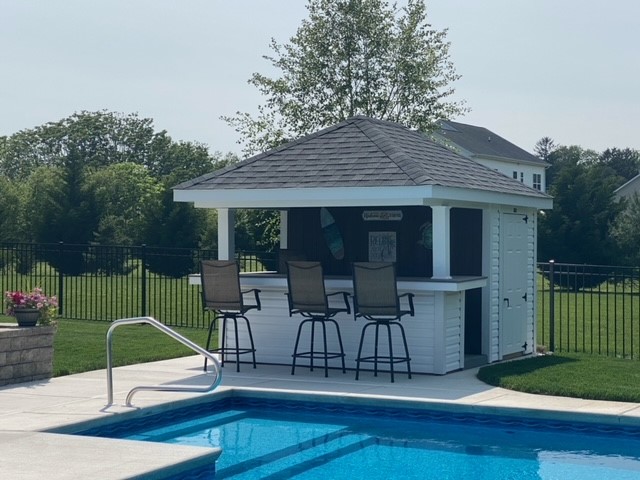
[[222, 295], [307, 297], [376, 299]]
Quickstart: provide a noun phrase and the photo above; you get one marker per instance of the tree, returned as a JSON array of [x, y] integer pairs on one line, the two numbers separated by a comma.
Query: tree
[[173, 225], [544, 148], [104, 161], [584, 207], [626, 162], [123, 196], [562, 157], [181, 161], [352, 57], [98, 139], [59, 211], [12, 228]]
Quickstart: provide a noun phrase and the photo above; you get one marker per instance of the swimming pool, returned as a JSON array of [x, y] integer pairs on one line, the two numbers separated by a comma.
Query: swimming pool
[[269, 438]]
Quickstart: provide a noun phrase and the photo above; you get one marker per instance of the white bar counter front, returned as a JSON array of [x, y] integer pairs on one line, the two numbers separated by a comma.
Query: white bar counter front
[[435, 335]]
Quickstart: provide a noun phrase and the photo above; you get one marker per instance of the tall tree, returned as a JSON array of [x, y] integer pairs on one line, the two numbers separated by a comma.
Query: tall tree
[[544, 148], [352, 57]]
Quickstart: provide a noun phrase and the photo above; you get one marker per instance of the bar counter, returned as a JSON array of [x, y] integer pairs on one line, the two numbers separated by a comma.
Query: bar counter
[[435, 334]]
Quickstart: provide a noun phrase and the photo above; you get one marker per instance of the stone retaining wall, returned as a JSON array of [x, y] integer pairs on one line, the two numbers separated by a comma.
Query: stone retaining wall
[[26, 354]]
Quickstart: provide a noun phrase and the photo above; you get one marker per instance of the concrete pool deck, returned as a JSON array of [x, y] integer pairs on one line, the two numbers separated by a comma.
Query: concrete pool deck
[[29, 410]]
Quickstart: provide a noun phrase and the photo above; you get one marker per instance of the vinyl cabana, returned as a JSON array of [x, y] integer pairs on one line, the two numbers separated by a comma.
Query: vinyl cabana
[[462, 236]]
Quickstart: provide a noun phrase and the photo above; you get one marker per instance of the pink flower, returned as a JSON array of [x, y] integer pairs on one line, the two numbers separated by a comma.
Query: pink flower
[[34, 299]]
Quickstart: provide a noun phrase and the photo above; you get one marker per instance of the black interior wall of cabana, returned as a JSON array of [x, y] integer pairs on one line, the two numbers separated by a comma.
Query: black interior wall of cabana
[[466, 259], [306, 238]]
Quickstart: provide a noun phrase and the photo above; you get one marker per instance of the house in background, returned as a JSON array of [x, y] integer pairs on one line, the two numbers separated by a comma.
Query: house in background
[[493, 151]]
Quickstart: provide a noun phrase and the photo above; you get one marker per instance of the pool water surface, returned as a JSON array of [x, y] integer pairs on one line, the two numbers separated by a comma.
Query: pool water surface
[[304, 440]]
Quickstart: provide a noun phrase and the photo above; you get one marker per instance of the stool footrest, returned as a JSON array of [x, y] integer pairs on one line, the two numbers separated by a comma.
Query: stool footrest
[[381, 359], [232, 350], [318, 355]]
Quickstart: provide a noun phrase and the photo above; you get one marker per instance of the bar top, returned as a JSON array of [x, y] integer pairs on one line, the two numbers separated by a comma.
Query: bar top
[[278, 281]]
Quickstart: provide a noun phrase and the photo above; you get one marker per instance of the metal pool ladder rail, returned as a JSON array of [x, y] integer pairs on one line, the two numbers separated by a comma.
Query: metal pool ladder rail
[[163, 328]]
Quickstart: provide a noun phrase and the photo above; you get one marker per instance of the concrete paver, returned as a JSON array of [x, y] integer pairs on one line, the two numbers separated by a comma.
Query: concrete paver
[[30, 409]]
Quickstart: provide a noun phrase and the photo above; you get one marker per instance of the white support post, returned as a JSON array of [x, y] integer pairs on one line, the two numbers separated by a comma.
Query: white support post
[[441, 220], [226, 234]]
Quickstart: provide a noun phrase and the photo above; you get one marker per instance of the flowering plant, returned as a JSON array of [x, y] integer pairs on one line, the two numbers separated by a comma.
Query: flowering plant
[[47, 306]]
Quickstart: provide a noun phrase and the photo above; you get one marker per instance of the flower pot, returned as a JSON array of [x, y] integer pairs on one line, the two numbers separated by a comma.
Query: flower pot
[[27, 317]]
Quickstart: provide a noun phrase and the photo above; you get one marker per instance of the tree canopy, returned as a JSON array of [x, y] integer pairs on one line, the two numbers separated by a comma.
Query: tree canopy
[[577, 230], [101, 178], [352, 57]]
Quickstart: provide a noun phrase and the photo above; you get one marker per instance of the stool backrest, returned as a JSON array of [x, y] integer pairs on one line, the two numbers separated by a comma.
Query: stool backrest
[[305, 282], [375, 289], [221, 285]]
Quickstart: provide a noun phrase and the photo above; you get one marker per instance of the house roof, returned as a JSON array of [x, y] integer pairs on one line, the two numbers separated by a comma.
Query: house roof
[[355, 162], [629, 188], [481, 142]]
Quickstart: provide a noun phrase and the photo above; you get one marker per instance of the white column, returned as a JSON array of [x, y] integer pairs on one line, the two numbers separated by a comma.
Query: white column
[[441, 242], [226, 234], [284, 229]]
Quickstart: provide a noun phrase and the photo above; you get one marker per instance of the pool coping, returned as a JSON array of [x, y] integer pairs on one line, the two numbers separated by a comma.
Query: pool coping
[[39, 414]]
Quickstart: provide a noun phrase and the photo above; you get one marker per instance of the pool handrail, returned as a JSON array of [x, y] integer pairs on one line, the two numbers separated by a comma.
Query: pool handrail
[[163, 328]]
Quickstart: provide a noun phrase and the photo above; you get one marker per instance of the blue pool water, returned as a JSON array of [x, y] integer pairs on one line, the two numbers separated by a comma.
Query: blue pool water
[[269, 439]]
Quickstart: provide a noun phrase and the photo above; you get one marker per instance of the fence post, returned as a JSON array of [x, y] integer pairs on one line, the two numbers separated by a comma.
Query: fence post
[[143, 281], [552, 317], [60, 279]]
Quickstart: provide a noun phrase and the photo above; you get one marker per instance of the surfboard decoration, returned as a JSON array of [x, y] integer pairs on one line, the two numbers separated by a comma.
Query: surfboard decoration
[[331, 234]]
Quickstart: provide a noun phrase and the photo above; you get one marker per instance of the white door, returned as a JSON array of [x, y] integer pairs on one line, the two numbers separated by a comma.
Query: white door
[[514, 283]]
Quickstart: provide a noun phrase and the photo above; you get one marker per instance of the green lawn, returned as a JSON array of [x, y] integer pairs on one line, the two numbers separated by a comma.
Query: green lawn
[[81, 346], [570, 375], [601, 320]]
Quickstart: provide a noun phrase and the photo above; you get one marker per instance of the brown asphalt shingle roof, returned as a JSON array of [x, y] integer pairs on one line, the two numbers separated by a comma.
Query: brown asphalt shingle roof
[[359, 152]]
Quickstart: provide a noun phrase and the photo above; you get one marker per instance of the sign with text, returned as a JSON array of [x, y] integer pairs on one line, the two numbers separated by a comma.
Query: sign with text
[[382, 246], [382, 215]]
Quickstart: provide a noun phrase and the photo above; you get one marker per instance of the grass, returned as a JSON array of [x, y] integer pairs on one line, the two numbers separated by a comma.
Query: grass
[[601, 320], [80, 346], [570, 375]]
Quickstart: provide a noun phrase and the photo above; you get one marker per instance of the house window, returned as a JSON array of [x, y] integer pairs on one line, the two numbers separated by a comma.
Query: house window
[[522, 177], [537, 181], [515, 175]]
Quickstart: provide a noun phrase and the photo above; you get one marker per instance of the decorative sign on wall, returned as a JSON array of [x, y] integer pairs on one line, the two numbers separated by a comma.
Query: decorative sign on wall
[[382, 215], [382, 246]]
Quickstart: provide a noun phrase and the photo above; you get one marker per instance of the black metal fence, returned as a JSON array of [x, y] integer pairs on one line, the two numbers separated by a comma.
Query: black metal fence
[[95, 282], [589, 309], [581, 308]]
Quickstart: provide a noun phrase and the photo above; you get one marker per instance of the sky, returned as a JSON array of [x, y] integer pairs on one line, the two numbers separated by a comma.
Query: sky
[[566, 69]]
